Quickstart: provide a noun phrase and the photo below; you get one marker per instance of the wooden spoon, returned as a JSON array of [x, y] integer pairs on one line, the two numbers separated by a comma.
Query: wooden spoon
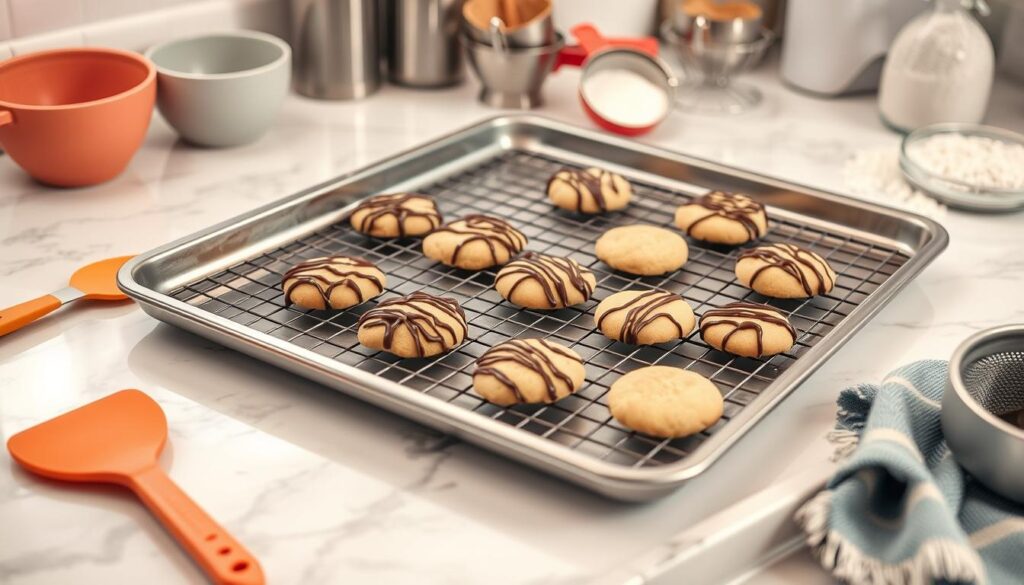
[[510, 11], [117, 439], [96, 282]]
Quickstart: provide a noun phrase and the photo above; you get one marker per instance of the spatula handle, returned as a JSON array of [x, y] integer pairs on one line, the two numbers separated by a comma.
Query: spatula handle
[[223, 558], [16, 317]]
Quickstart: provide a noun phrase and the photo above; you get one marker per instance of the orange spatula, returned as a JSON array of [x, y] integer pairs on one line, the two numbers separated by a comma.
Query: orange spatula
[[96, 281], [117, 440]]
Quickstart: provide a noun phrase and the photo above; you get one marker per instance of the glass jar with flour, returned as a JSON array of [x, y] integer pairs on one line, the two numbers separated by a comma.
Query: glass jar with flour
[[939, 69]]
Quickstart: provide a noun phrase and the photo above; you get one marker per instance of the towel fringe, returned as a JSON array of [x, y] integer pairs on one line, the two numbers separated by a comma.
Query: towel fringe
[[845, 442], [935, 560]]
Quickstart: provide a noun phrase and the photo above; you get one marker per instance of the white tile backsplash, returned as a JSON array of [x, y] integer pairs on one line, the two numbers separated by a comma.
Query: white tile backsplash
[[100, 10], [32, 17], [52, 40], [5, 20], [134, 25], [139, 32]]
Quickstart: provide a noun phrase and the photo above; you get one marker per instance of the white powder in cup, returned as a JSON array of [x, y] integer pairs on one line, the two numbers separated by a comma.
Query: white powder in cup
[[624, 97], [976, 160]]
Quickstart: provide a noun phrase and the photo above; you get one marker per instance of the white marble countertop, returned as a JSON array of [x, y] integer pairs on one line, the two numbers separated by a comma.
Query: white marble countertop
[[326, 489]]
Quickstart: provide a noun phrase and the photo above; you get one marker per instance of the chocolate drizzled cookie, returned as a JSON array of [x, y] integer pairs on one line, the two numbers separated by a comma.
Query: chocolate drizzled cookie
[[417, 325], [644, 317], [396, 215], [474, 242], [747, 329], [332, 282], [591, 190], [723, 218], [528, 371], [539, 281], [785, 271]]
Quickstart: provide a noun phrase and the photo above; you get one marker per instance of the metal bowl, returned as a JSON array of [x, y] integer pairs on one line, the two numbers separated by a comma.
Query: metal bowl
[[511, 78], [727, 31], [986, 382], [957, 193], [716, 60]]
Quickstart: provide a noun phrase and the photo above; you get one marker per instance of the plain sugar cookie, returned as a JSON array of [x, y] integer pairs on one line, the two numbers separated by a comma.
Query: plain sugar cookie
[[747, 329], [644, 317], [642, 249], [332, 282], [665, 402], [785, 271], [590, 190], [528, 371]]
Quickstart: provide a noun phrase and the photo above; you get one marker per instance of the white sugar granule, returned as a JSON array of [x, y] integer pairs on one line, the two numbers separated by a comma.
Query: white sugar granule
[[624, 97], [875, 174], [975, 160]]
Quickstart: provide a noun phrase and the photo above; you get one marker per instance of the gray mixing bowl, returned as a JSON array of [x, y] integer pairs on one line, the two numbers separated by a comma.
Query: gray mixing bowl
[[222, 89]]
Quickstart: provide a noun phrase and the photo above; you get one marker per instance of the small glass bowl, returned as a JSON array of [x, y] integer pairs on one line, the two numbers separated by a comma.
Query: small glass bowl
[[956, 193]]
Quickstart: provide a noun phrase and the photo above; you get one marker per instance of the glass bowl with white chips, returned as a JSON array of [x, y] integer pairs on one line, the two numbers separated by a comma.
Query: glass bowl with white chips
[[966, 166]]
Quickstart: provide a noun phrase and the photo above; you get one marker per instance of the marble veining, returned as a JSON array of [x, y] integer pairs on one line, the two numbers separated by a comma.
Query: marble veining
[[326, 489]]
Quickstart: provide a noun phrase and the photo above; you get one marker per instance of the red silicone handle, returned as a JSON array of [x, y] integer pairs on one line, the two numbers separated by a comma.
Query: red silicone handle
[[573, 56], [588, 36]]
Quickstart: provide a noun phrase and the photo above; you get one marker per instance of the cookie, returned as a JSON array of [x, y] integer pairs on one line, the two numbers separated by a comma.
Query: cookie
[[785, 271], [642, 249], [474, 242], [665, 402], [723, 218], [528, 371], [591, 190], [644, 317], [417, 325], [396, 215], [332, 282], [747, 329], [539, 281]]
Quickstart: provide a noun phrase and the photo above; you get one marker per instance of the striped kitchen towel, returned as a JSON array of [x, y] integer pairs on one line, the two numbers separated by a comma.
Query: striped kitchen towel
[[899, 510]]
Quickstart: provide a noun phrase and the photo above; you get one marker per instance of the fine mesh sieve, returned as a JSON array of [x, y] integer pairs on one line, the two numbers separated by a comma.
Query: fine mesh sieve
[[996, 381], [981, 408]]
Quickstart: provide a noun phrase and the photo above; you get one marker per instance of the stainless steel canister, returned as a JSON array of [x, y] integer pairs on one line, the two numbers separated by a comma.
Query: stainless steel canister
[[336, 48], [423, 42]]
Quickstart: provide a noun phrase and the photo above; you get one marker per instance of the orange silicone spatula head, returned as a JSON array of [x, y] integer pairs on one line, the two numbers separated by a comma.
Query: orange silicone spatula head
[[99, 280], [107, 441], [117, 440]]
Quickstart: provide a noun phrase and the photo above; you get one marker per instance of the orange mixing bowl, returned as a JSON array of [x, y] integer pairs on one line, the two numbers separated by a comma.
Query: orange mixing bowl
[[75, 117]]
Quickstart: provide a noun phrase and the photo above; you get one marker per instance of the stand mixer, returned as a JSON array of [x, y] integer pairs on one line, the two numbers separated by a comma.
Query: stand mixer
[[835, 47]]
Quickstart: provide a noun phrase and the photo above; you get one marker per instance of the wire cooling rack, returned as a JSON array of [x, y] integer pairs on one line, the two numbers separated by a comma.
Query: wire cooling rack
[[512, 186]]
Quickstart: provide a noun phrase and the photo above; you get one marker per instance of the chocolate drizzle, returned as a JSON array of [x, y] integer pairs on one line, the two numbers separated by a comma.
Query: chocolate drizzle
[[552, 273], [394, 205], [579, 181], [641, 311], [739, 208], [339, 266], [793, 259], [749, 316], [483, 228], [423, 324], [520, 351]]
